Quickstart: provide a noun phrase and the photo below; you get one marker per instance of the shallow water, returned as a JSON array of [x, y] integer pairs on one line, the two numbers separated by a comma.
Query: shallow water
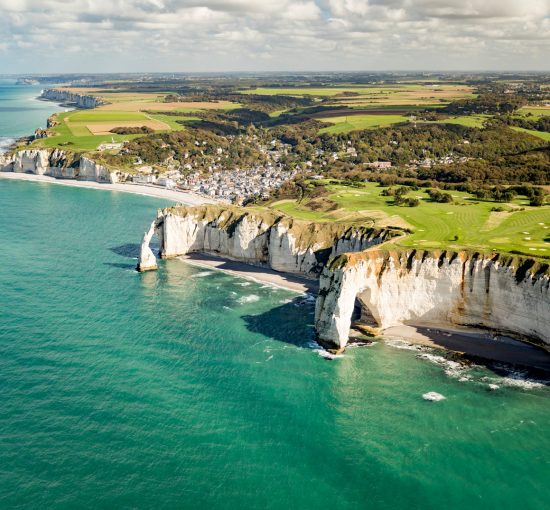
[[183, 388], [20, 112]]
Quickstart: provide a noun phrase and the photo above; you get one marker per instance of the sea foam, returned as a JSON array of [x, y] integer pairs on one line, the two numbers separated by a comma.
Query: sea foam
[[248, 299]]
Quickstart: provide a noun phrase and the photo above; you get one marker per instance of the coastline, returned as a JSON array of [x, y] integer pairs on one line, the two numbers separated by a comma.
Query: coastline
[[286, 281], [471, 343], [476, 344], [187, 198]]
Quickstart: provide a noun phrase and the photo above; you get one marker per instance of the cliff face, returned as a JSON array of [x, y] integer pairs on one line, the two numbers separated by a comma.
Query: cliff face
[[65, 96], [56, 163], [434, 289], [263, 238], [388, 288]]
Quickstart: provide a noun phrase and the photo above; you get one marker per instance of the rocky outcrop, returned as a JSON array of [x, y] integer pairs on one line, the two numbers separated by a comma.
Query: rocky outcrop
[[264, 238], [71, 98], [147, 260], [56, 163], [504, 294]]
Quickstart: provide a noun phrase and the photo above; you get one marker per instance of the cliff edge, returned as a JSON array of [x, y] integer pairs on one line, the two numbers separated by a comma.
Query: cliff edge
[[259, 237], [384, 288], [57, 163], [360, 280]]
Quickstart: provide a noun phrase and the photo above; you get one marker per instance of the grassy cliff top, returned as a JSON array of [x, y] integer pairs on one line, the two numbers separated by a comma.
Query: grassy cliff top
[[406, 257], [467, 223], [306, 233]]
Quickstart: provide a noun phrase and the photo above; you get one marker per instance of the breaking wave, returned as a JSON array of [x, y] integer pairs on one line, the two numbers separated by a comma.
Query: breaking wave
[[201, 275], [5, 144], [248, 299]]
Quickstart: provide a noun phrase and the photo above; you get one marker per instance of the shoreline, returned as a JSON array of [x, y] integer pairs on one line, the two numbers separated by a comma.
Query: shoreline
[[184, 197], [473, 343], [258, 274], [478, 345]]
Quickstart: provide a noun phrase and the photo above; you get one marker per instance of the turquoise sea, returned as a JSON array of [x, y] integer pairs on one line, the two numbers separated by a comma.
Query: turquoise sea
[[189, 388], [20, 112]]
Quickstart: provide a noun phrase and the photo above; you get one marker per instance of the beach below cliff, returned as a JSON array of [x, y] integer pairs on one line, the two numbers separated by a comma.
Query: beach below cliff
[[258, 274], [476, 343], [183, 197]]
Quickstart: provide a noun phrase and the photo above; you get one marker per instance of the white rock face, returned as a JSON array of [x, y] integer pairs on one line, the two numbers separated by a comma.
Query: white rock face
[[147, 260], [65, 96], [92, 171], [432, 291], [265, 240], [55, 163], [31, 161]]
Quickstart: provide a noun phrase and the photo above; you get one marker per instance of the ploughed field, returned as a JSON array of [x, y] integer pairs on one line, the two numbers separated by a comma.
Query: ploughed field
[[467, 223], [87, 129]]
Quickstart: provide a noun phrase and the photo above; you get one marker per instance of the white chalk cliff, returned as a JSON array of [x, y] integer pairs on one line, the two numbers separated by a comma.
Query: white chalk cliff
[[257, 237], [503, 294], [56, 163], [390, 287], [73, 98]]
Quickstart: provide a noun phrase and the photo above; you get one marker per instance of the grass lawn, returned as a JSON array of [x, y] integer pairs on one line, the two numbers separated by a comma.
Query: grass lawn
[[435, 225], [539, 134], [357, 122], [475, 121], [171, 120], [85, 116], [75, 135], [535, 111]]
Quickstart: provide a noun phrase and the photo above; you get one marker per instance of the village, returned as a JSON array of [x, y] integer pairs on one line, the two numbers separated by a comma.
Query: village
[[206, 171]]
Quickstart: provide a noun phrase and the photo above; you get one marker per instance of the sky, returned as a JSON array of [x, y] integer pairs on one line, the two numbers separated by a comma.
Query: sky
[[55, 36]]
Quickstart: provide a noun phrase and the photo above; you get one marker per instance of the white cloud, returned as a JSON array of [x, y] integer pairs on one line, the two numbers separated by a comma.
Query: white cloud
[[188, 35]]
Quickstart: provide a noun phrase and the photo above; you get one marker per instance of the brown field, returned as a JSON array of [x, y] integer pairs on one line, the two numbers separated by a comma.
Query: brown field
[[403, 97], [138, 106], [104, 128]]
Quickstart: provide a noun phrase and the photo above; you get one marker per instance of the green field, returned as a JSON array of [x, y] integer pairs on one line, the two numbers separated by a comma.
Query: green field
[[356, 122], [73, 130], [361, 96], [172, 120], [539, 134], [465, 224], [473, 121], [534, 111]]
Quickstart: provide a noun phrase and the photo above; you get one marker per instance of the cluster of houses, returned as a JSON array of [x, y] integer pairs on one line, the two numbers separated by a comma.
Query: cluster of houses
[[236, 186], [430, 162], [232, 186], [208, 174]]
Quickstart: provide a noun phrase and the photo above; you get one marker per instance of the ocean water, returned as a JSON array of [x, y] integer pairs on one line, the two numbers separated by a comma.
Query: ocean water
[[20, 112], [190, 388]]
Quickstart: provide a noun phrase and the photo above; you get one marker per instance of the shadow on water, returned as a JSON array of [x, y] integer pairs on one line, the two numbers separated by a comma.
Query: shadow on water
[[130, 250], [291, 322], [121, 266]]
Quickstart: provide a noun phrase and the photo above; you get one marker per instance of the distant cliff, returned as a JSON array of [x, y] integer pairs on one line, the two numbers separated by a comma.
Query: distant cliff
[[71, 98], [505, 294], [56, 163], [381, 287], [258, 237]]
